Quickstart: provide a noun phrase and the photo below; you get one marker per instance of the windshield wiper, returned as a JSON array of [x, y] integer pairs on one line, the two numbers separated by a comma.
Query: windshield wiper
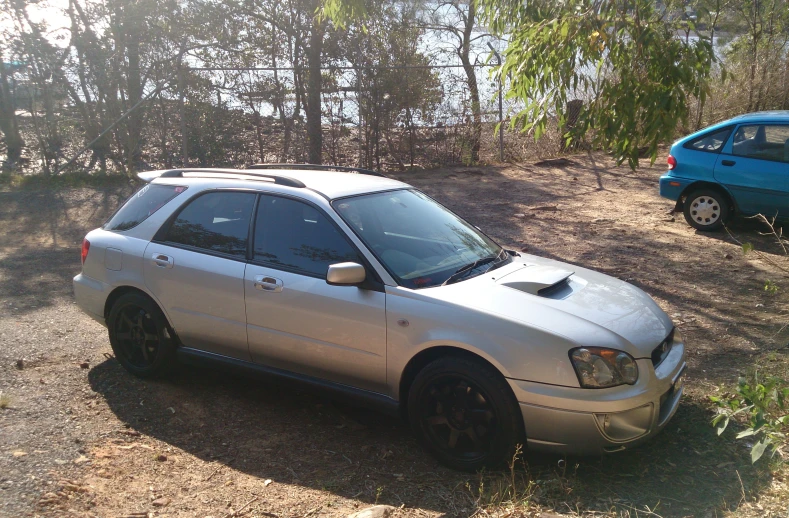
[[471, 266]]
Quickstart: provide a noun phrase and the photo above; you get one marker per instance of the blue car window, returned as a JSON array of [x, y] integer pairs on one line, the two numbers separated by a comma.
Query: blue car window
[[711, 142], [763, 142]]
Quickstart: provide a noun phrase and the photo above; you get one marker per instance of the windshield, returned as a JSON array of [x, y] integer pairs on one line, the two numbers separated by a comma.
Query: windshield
[[417, 240]]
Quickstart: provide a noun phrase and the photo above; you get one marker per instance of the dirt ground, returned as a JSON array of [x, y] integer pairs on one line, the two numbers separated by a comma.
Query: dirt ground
[[81, 437]]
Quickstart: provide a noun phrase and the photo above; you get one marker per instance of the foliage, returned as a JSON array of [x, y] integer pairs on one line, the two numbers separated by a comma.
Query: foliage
[[752, 42], [621, 57], [763, 403]]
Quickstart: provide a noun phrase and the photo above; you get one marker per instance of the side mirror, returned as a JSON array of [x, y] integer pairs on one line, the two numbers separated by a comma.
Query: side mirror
[[346, 274]]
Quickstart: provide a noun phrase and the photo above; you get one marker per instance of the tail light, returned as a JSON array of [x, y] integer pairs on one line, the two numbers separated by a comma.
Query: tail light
[[85, 249], [672, 162]]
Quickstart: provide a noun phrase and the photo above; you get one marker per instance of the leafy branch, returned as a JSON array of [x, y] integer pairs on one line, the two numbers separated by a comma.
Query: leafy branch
[[763, 405]]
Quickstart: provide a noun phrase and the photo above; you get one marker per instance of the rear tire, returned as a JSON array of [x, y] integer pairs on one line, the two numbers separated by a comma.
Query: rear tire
[[464, 413], [706, 209], [141, 337]]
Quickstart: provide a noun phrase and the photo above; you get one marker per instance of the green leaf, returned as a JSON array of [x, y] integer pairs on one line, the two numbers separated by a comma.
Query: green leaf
[[759, 448], [720, 423], [747, 247], [746, 433]]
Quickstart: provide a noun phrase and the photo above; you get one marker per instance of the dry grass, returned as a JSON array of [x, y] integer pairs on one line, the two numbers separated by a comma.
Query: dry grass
[[5, 400]]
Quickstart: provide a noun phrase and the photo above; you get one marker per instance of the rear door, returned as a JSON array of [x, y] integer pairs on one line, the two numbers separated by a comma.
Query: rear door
[[298, 322], [754, 166], [195, 267]]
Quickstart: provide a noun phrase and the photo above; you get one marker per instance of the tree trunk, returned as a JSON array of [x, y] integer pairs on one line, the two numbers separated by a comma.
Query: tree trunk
[[134, 92], [314, 130], [279, 105], [471, 77], [8, 122]]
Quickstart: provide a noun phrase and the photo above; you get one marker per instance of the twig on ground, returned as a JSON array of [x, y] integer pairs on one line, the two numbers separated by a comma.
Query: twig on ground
[[742, 488], [235, 513], [213, 473], [761, 256]]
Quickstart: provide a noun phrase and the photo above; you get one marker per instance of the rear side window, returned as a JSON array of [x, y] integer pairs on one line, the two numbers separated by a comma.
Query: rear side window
[[143, 203], [712, 142], [216, 222]]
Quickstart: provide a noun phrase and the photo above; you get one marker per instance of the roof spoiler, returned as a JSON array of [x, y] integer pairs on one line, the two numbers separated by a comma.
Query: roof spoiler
[[149, 176]]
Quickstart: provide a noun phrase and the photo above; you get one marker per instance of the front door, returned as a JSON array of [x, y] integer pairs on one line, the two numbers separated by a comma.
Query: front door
[[755, 168], [295, 320], [195, 267]]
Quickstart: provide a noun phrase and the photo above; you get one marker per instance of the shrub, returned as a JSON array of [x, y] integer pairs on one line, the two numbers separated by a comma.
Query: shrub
[[763, 404]]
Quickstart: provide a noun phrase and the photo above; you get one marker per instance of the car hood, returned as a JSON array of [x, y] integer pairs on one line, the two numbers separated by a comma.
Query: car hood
[[587, 308]]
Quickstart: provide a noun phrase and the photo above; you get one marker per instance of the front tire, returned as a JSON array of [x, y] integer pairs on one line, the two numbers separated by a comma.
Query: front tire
[[141, 337], [706, 209], [464, 413]]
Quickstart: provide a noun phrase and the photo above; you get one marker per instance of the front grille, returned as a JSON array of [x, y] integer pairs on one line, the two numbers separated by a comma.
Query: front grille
[[660, 352]]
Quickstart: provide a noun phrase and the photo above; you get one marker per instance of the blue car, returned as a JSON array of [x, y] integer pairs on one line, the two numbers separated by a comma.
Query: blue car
[[739, 166]]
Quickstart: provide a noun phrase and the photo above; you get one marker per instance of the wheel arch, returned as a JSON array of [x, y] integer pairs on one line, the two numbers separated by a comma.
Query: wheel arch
[[707, 185], [120, 291], [420, 360]]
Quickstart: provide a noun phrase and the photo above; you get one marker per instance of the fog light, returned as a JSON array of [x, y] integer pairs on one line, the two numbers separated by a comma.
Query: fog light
[[625, 426]]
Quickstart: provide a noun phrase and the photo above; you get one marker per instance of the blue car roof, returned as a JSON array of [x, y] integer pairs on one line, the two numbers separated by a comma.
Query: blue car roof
[[774, 115], [759, 117]]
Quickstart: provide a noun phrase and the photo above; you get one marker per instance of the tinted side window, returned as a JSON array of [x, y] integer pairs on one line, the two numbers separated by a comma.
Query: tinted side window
[[292, 234], [762, 141], [712, 142], [141, 204], [217, 221]]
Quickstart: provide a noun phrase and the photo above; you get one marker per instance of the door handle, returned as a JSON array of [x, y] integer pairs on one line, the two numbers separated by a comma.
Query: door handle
[[266, 283], [728, 162], [162, 261]]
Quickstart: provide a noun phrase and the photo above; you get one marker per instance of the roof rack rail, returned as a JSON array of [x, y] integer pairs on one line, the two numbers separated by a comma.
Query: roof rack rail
[[281, 180], [316, 167]]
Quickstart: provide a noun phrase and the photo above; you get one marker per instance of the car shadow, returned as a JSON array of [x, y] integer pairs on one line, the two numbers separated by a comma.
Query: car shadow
[[302, 439]]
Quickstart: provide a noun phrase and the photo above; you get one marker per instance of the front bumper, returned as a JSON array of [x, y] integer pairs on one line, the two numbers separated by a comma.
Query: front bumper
[[576, 421], [91, 295]]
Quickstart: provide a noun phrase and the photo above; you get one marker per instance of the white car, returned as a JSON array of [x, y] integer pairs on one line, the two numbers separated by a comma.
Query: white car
[[363, 287]]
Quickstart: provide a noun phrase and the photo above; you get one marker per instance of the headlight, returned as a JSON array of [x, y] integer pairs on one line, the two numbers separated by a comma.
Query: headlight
[[597, 367]]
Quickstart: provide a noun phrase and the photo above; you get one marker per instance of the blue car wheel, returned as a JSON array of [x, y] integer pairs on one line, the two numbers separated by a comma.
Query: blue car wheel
[[706, 209]]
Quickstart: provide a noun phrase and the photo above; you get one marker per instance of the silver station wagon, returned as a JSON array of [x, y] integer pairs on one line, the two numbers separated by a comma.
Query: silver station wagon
[[362, 287]]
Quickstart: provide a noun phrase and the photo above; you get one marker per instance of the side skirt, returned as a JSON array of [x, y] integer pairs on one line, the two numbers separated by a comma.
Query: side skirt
[[317, 386]]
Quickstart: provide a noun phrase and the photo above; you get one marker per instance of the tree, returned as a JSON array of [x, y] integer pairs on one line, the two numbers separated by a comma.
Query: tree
[[458, 19], [391, 96], [620, 56], [8, 121]]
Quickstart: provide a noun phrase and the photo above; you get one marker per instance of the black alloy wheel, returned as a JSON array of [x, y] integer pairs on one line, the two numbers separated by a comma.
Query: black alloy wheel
[[140, 336], [465, 414], [458, 417]]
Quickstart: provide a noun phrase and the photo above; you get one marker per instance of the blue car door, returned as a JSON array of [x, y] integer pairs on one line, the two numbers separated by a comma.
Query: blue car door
[[754, 166]]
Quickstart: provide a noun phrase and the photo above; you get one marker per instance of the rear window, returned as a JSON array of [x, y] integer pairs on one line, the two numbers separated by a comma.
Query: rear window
[[143, 203]]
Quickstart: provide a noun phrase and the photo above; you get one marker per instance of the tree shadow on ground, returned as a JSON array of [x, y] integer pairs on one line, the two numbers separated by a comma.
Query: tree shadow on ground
[[269, 432], [34, 278]]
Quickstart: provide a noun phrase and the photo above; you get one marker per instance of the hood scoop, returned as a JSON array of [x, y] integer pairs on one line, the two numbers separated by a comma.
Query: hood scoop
[[537, 280]]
